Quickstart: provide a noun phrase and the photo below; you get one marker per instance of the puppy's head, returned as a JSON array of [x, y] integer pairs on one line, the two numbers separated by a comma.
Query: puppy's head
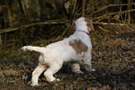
[[82, 21], [89, 24]]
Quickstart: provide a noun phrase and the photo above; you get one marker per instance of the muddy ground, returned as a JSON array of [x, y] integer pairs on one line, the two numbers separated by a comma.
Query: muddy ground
[[113, 59]]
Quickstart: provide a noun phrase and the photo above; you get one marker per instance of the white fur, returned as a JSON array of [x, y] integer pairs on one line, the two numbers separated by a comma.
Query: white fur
[[54, 55]]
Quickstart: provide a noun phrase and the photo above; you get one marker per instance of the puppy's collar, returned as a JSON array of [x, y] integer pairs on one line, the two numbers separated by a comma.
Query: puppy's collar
[[84, 32]]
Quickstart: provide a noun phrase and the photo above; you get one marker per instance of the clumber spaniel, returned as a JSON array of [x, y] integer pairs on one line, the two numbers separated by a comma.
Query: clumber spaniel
[[73, 49]]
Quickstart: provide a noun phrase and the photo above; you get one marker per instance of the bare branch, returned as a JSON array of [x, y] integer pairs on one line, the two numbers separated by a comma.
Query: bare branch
[[52, 22], [111, 5]]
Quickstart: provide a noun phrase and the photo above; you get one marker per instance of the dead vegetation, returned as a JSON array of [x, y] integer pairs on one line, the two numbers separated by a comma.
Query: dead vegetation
[[113, 59]]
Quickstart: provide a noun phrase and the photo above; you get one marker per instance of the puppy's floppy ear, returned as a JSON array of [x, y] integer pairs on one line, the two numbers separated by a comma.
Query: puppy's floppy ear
[[73, 27], [89, 24]]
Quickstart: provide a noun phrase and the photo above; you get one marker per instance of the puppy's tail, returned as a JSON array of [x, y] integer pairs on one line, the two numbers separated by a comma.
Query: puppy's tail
[[34, 48]]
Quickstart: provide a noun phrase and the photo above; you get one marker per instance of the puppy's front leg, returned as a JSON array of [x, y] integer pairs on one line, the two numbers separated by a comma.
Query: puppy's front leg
[[53, 68], [88, 65], [88, 68], [76, 68]]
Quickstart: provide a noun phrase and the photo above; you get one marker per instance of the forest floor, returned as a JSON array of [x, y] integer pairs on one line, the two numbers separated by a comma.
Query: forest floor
[[113, 58]]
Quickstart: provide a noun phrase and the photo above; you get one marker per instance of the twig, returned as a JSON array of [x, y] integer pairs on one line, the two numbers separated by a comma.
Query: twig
[[103, 29], [105, 15], [65, 30]]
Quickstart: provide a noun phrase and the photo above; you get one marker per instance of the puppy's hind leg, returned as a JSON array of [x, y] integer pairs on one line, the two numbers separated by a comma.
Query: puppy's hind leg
[[53, 68], [36, 73]]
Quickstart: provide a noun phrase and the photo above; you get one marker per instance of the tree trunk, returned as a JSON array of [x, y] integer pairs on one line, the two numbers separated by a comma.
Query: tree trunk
[[129, 16], [83, 8], [31, 7], [0, 40]]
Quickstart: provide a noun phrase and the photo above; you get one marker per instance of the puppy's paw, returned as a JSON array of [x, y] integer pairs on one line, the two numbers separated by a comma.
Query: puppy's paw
[[54, 81], [34, 84], [57, 79], [92, 70], [78, 72]]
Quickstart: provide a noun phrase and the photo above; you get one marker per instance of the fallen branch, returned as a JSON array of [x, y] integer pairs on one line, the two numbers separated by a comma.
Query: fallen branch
[[52, 22]]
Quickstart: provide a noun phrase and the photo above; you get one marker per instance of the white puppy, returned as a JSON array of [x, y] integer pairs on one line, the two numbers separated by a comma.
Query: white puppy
[[76, 48]]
